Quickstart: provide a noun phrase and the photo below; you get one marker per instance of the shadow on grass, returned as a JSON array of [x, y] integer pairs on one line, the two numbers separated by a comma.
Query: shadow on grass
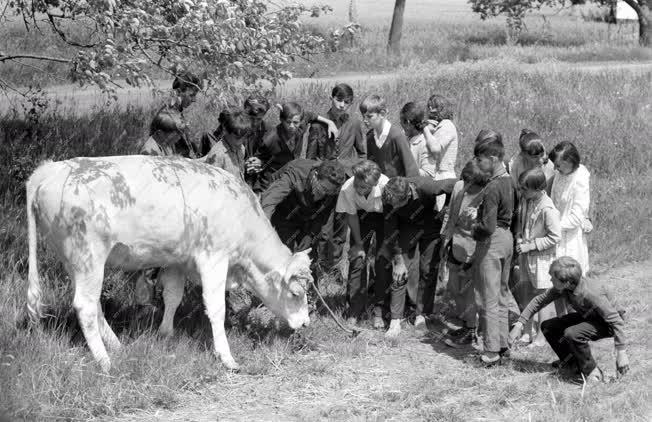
[[245, 315]]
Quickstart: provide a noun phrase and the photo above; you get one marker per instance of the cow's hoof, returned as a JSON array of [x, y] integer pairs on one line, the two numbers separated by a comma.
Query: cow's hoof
[[165, 333], [105, 365], [231, 364]]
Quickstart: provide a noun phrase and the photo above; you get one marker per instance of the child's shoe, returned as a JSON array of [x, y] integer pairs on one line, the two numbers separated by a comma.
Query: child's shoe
[[420, 323], [394, 328], [378, 323], [461, 338], [490, 358]]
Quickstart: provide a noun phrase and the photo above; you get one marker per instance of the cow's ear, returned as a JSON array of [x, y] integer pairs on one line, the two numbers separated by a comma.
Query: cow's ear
[[274, 278], [307, 251]]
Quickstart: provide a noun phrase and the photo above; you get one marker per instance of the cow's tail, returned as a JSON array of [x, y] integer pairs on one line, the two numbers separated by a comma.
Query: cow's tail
[[34, 304]]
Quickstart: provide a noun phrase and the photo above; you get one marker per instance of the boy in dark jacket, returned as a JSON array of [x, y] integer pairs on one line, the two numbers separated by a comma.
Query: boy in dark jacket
[[596, 316], [412, 220]]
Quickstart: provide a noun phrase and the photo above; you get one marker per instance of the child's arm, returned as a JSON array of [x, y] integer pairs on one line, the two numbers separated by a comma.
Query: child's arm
[[611, 317], [580, 207], [440, 139], [486, 226], [410, 166], [315, 118], [276, 193], [553, 230], [535, 305], [360, 141]]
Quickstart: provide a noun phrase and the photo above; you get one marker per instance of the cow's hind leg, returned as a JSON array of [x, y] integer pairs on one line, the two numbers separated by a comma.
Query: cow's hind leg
[[106, 332], [173, 280], [213, 277], [88, 286]]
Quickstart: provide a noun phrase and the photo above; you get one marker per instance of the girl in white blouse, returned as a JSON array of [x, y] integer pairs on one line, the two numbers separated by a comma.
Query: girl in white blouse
[[570, 194], [441, 139]]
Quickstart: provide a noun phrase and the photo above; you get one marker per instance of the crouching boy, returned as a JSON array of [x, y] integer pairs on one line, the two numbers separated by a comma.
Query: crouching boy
[[596, 317]]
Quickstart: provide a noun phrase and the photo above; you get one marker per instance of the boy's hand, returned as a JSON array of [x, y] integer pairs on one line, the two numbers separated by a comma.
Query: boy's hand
[[333, 131], [357, 251], [399, 270], [622, 362], [525, 247], [253, 165], [516, 332]]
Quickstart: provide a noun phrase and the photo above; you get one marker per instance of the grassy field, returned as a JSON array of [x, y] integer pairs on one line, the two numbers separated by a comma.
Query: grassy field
[[46, 373], [435, 32]]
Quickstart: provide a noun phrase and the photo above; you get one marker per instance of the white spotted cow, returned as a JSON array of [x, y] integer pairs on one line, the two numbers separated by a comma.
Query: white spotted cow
[[187, 217]]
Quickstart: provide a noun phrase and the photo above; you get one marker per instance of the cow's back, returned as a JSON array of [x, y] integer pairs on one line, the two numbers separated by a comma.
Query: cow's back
[[148, 210]]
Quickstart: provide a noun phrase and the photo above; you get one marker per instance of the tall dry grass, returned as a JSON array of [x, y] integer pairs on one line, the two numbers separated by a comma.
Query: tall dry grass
[[47, 373]]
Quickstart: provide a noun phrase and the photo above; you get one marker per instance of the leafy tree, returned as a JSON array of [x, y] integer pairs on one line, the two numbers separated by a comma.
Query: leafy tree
[[515, 11], [232, 43]]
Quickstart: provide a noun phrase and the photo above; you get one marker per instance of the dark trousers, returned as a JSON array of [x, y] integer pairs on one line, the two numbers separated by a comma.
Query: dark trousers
[[569, 337], [331, 240], [427, 261], [357, 288]]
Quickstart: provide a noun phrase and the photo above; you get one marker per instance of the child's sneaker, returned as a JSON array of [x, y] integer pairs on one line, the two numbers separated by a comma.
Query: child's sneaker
[[461, 338], [394, 328], [378, 323], [490, 358], [420, 323]]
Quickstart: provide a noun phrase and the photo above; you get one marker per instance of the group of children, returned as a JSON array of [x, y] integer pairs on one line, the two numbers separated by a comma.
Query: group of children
[[512, 234]]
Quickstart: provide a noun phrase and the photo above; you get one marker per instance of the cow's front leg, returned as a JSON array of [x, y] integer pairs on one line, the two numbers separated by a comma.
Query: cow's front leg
[[213, 278], [173, 280]]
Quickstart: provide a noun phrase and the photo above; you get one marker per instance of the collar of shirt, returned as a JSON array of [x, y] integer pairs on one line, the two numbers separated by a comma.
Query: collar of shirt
[[380, 140], [416, 140]]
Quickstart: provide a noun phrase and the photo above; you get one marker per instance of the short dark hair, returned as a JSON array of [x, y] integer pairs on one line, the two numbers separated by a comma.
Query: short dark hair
[[443, 105], [489, 143], [533, 179], [530, 143], [472, 174], [373, 104], [289, 110], [566, 270], [185, 80], [333, 171], [256, 104], [163, 121], [396, 190], [342, 92], [235, 121], [566, 151], [366, 170], [414, 114]]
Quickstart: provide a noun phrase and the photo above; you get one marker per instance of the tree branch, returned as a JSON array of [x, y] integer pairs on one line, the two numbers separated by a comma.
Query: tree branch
[[63, 36], [35, 57]]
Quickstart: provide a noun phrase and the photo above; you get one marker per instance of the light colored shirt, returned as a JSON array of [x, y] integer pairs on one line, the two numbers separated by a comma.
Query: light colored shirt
[[380, 139], [222, 155], [446, 137], [350, 202], [151, 147], [426, 163]]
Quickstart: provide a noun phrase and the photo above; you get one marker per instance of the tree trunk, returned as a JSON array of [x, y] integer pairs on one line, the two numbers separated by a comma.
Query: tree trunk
[[353, 11], [644, 12], [396, 30]]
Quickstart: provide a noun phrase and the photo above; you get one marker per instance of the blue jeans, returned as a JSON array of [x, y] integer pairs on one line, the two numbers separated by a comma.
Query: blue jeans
[[493, 259]]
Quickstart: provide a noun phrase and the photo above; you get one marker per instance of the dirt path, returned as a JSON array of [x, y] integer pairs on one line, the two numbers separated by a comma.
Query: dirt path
[[88, 98], [422, 379]]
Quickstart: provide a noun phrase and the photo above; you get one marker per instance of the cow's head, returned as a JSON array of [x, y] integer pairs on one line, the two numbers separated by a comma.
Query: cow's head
[[289, 290]]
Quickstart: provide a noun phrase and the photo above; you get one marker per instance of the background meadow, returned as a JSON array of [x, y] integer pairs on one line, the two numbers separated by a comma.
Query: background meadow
[[47, 373]]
